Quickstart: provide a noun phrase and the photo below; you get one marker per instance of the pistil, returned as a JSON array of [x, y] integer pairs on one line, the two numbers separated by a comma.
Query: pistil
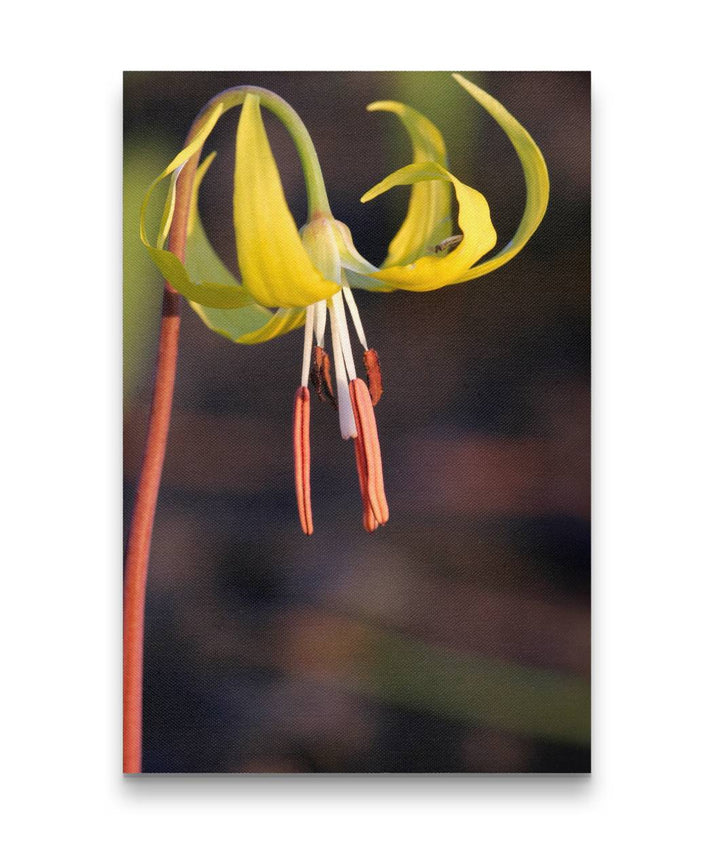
[[344, 365]]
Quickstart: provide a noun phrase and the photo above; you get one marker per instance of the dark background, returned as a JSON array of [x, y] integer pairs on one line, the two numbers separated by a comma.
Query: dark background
[[456, 638]]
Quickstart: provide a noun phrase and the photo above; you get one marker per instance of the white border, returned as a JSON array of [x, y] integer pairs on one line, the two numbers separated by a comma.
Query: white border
[[655, 434]]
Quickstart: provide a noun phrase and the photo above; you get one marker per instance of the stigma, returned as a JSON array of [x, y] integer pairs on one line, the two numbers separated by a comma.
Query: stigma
[[353, 398]]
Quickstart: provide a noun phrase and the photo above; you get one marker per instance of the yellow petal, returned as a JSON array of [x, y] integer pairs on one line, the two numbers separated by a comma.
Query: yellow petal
[[246, 327], [217, 294], [537, 182], [479, 236], [428, 220], [201, 260], [318, 239], [246, 324], [275, 267]]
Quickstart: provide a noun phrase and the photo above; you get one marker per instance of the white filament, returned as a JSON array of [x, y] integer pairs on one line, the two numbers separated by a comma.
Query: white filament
[[338, 313], [320, 319], [307, 345], [348, 428], [355, 315]]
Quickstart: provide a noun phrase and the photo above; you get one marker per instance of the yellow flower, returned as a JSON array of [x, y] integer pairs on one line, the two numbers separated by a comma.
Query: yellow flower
[[291, 277]]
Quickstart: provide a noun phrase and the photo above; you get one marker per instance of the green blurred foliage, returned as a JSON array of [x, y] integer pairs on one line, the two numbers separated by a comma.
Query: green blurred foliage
[[144, 159], [476, 689], [435, 95]]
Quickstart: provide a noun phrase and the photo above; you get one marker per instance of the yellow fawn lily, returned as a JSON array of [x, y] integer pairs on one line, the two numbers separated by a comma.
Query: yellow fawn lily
[[291, 277]]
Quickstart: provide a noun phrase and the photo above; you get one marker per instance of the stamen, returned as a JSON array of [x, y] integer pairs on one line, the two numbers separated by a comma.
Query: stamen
[[372, 367], [355, 315], [370, 357], [307, 345], [369, 521], [320, 376], [348, 427], [320, 320], [301, 448], [338, 313], [368, 437]]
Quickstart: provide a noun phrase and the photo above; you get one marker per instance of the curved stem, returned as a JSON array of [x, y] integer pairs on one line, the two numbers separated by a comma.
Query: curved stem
[[141, 526], [314, 183]]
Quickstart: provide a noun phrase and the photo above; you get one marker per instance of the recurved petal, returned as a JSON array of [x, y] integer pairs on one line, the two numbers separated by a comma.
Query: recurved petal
[[350, 258], [201, 260], [428, 219], [251, 324], [432, 271], [274, 265], [223, 293], [537, 181], [247, 324]]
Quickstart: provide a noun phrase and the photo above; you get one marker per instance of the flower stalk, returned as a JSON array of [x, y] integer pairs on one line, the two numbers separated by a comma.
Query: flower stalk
[[141, 526]]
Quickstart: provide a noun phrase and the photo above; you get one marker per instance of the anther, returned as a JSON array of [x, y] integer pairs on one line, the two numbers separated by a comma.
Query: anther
[[369, 521], [368, 439], [372, 368], [320, 375], [301, 448]]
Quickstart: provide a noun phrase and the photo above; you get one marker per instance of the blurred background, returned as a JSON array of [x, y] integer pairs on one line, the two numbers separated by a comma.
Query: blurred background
[[457, 637]]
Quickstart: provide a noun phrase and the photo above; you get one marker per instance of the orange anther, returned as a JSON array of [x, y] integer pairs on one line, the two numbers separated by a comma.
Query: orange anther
[[369, 444], [320, 375], [372, 367], [301, 448], [369, 521]]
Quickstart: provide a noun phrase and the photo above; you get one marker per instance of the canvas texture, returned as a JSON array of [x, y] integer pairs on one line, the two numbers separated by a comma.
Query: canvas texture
[[455, 637]]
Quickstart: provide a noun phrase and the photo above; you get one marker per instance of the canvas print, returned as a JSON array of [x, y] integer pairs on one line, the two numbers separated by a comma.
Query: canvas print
[[356, 422]]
